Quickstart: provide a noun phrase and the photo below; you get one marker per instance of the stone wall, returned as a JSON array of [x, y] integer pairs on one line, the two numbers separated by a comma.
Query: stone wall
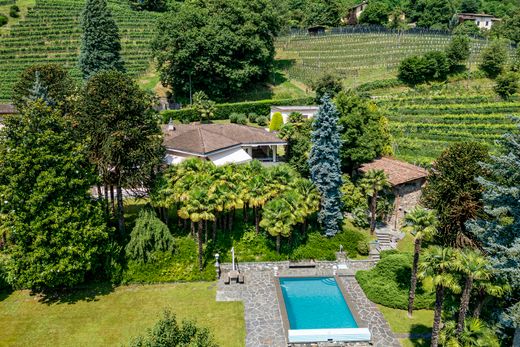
[[407, 196]]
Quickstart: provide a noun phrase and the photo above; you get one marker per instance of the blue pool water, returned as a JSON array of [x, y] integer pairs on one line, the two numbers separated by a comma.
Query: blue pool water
[[315, 303]]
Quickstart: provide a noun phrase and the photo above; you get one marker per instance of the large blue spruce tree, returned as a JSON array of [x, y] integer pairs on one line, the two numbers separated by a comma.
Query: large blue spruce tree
[[100, 44], [325, 164], [500, 235]]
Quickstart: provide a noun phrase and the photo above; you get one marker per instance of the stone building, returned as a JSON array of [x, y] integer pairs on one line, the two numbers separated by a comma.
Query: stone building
[[407, 181]]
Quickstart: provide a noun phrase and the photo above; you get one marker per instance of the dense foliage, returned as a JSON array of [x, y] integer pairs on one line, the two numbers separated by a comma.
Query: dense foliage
[[167, 332], [452, 191], [297, 134], [500, 234], [364, 131], [329, 84], [494, 59], [59, 86], [149, 235], [276, 121], [388, 283], [507, 84], [122, 133], [219, 47], [325, 164], [100, 43], [56, 234]]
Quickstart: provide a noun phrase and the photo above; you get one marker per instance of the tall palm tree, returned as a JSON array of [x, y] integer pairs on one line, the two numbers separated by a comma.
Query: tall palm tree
[[474, 334], [278, 219], [259, 193], [422, 224], [486, 289], [373, 182], [310, 198], [435, 270], [474, 266]]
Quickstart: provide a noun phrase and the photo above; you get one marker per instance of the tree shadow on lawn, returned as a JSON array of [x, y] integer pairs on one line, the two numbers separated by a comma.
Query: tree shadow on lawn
[[73, 295], [5, 293]]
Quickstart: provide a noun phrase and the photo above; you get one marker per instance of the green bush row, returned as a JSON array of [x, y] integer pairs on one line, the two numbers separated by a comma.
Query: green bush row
[[388, 283], [388, 83], [223, 111]]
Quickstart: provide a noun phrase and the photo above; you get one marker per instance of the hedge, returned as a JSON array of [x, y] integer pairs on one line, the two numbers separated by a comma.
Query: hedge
[[389, 83], [388, 283], [223, 111]]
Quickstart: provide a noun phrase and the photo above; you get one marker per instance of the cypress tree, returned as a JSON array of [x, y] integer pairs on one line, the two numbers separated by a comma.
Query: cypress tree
[[325, 165], [100, 44], [500, 235]]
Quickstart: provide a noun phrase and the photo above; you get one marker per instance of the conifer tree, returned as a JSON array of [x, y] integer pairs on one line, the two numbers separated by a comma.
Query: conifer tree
[[500, 235], [100, 44], [325, 165], [57, 234]]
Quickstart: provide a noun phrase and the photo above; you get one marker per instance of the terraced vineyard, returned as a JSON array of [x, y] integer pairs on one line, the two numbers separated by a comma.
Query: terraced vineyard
[[423, 127], [359, 57], [51, 33]]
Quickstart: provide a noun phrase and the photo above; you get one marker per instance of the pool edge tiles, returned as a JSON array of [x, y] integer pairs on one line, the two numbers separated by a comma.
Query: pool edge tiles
[[331, 299]]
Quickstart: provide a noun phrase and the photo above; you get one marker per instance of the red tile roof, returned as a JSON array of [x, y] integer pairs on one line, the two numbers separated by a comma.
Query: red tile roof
[[206, 138], [398, 172]]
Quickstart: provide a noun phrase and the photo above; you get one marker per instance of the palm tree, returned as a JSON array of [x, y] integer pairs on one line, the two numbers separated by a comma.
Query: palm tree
[[435, 269], [278, 219], [474, 334], [422, 224], [310, 198], [259, 193], [474, 266], [372, 183], [486, 289]]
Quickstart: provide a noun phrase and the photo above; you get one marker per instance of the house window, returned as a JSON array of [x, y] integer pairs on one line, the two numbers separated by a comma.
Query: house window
[[487, 23], [478, 23]]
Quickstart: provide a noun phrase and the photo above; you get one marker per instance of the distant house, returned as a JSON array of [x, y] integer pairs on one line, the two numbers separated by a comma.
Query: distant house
[[407, 181], [6, 109], [219, 143], [307, 111], [481, 20], [354, 13]]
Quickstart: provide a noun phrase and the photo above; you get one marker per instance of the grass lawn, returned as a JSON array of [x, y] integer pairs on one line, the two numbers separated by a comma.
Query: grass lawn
[[415, 342], [102, 316], [406, 244], [420, 323]]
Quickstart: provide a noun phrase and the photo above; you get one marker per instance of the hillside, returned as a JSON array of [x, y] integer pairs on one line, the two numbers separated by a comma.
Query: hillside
[[50, 32], [359, 57], [422, 127]]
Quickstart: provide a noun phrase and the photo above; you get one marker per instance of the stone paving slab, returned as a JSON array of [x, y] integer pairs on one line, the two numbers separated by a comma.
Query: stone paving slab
[[263, 320]]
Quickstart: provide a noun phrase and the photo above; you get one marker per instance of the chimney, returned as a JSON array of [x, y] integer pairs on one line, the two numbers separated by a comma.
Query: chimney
[[171, 126]]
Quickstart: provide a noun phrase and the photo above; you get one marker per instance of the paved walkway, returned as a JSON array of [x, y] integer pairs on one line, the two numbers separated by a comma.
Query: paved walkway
[[264, 327]]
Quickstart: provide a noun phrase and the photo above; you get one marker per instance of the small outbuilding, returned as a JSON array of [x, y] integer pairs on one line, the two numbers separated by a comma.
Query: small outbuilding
[[307, 112], [407, 181], [6, 109], [354, 13], [316, 30], [481, 20]]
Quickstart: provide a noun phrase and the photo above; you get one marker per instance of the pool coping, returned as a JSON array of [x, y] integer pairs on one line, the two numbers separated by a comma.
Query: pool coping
[[283, 310]]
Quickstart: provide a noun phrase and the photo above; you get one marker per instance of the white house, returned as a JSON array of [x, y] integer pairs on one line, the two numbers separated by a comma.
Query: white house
[[481, 20], [306, 111], [219, 143], [354, 13]]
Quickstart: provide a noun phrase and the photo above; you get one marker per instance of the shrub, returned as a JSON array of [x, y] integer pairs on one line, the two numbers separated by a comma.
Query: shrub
[[494, 59], [458, 51], [261, 120], [3, 273], [233, 117], [3, 20], [438, 66], [328, 83], [295, 117], [167, 332], [362, 247], [149, 235], [14, 11], [413, 70], [388, 283], [507, 85], [252, 117], [276, 121], [393, 82]]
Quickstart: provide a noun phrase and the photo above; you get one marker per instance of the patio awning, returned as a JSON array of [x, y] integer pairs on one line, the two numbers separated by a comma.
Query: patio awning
[[235, 155]]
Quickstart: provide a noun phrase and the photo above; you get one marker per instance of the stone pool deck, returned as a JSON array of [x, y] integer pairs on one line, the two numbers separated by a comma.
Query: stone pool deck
[[264, 327]]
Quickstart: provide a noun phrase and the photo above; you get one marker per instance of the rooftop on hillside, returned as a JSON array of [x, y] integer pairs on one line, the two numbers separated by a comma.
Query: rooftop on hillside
[[398, 172], [203, 139]]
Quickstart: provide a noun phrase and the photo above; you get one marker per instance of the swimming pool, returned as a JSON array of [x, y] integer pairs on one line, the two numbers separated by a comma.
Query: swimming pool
[[317, 311]]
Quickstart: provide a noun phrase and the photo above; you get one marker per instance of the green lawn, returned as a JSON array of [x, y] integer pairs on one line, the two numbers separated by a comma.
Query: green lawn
[[420, 323], [406, 244], [103, 316]]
